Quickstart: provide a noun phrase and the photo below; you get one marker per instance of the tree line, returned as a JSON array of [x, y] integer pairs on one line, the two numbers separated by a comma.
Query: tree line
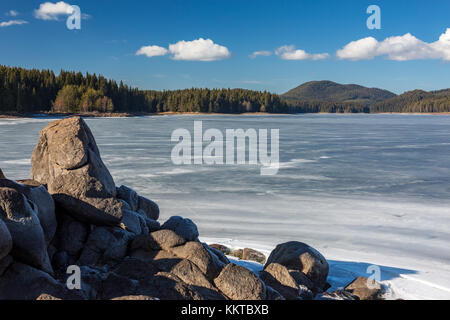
[[34, 91]]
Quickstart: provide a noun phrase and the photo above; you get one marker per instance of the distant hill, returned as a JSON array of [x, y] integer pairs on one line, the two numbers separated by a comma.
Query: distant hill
[[416, 101], [334, 92]]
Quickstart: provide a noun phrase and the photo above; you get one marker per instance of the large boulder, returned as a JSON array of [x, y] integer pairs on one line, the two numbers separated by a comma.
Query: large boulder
[[365, 289], [5, 240], [208, 263], [20, 216], [279, 278], [299, 256], [185, 228], [68, 161], [161, 239], [39, 195], [239, 283]]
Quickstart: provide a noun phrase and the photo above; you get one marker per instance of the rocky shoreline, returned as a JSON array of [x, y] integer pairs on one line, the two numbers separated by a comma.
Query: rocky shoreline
[[71, 217]]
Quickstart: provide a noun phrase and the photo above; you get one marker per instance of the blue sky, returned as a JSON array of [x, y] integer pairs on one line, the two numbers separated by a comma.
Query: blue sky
[[112, 32]]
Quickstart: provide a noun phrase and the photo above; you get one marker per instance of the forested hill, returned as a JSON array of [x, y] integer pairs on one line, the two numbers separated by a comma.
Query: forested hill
[[416, 101], [33, 91], [334, 92]]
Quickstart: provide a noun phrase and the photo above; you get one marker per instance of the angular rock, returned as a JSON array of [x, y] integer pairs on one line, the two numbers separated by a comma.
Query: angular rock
[[105, 245], [68, 161], [162, 239], [117, 286], [23, 282], [239, 283], [148, 208], [365, 289], [71, 235], [219, 254], [195, 252], [5, 240], [20, 217], [253, 255], [279, 278], [221, 248], [129, 196], [272, 294], [167, 286], [2, 176], [299, 256], [39, 195], [238, 253], [185, 228], [137, 223], [190, 274]]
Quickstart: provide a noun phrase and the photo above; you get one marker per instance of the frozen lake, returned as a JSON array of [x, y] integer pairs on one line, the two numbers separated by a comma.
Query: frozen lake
[[362, 189]]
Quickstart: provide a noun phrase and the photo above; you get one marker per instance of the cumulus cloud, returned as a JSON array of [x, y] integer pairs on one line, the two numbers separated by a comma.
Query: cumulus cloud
[[398, 48], [260, 53], [290, 53], [198, 50], [52, 11], [152, 51], [12, 23]]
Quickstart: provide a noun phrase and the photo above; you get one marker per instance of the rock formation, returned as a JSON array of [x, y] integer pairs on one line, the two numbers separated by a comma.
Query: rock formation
[[71, 216]]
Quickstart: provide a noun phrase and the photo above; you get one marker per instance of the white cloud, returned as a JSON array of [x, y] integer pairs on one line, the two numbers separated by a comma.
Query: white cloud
[[198, 50], [12, 13], [398, 48], [260, 53], [152, 51], [12, 23], [290, 53], [52, 11]]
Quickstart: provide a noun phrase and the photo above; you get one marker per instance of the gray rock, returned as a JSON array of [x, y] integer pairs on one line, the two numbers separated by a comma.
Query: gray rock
[[185, 228], [148, 208], [272, 294], [239, 283], [105, 245], [162, 239], [195, 252], [71, 235], [129, 196], [253, 255], [299, 256], [67, 159], [365, 289], [20, 217], [278, 277], [23, 282], [2, 176], [219, 254], [39, 195], [5, 240]]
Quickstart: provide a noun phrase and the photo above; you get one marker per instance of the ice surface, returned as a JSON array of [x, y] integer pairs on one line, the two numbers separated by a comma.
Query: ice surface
[[362, 189]]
